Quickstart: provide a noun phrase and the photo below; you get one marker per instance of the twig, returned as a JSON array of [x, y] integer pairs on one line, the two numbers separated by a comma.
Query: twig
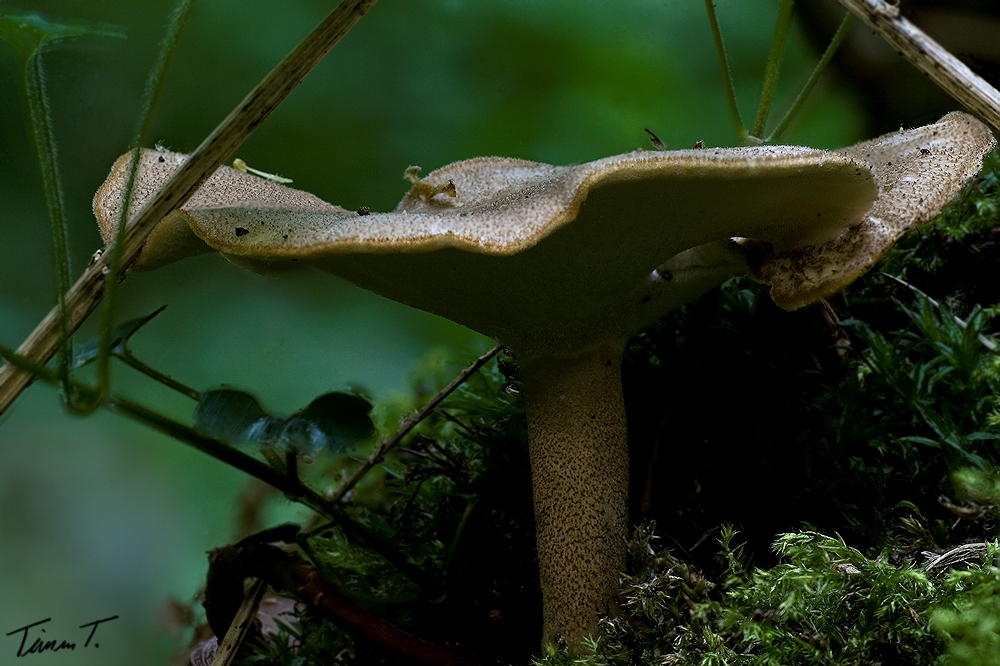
[[453, 419], [434, 445], [967, 552], [951, 74], [409, 423], [86, 293], [425, 455], [130, 359], [289, 571], [292, 488], [242, 623], [456, 538]]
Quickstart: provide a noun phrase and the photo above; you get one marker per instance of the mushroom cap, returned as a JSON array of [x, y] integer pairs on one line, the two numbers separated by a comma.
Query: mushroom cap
[[918, 172], [524, 247]]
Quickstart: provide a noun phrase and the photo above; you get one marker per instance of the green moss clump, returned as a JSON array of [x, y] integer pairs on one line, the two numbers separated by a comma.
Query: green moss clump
[[824, 604]]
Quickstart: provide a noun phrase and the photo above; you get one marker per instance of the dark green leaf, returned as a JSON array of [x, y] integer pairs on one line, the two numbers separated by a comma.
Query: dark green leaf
[[234, 417], [922, 440], [330, 423], [89, 350]]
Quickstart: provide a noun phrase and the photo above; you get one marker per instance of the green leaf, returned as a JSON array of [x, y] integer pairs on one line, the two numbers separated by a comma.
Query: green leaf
[[330, 423], [933, 443], [234, 417], [89, 350]]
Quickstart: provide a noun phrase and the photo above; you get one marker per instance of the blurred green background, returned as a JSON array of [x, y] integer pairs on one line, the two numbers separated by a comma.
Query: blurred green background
[[100, 516]]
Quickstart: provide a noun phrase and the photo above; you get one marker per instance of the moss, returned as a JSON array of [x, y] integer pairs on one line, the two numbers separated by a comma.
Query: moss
[[825, 603]]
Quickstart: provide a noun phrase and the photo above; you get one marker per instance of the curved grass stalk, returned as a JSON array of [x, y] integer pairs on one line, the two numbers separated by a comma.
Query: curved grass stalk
[[29, 35], [793, 110], [153, 93], [45, 149], [756, 133], [773, 68], [727, 77]]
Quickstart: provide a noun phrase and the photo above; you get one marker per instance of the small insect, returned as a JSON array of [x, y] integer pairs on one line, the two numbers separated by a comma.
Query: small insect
[[698, 145], [364, 210], [655, 140], [240, 165], [240, 231], [423, 189]]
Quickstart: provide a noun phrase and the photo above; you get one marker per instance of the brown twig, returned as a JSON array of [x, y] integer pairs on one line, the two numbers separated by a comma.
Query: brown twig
[[292, 488], [951, 74], [662, 434], [241, 625], [283, 570], [967, 552], [408, 424], [86, 293]]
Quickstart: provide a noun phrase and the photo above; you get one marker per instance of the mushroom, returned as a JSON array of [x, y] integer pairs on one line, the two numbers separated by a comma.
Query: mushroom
[[564, 264]]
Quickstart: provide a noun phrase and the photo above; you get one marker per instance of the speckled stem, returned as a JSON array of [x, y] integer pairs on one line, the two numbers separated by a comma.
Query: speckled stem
[[579, 462]]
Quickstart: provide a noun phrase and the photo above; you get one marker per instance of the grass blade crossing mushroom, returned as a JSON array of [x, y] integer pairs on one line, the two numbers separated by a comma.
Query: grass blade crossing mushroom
[[564, 264]]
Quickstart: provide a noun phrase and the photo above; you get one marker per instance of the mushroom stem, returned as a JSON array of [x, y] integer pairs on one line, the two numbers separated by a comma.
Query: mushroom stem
[[579, 463]]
